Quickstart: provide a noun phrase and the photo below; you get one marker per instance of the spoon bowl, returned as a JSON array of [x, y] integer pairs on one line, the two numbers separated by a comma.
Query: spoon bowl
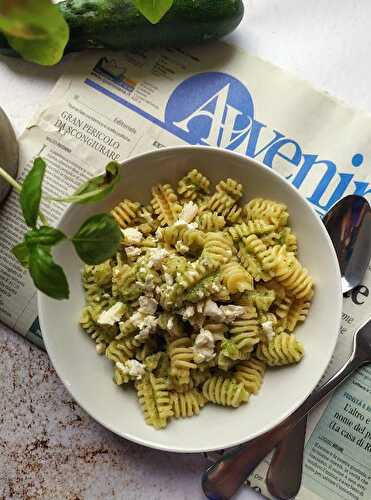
[[349, 226]]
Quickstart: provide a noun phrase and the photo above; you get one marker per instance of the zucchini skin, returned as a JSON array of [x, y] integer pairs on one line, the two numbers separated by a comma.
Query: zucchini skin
[[117, 24]]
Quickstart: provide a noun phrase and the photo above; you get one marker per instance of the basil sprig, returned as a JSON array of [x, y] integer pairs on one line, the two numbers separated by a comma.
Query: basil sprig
[[97, 239]]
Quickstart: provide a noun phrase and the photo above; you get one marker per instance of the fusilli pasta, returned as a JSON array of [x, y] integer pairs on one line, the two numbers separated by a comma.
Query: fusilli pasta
[[202, 296]]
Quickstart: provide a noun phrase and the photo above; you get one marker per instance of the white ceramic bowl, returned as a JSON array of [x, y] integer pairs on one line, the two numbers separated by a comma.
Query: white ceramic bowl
[[88, 377]]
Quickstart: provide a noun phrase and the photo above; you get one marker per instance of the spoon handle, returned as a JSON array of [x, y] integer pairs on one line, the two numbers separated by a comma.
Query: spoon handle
[[223, 479]]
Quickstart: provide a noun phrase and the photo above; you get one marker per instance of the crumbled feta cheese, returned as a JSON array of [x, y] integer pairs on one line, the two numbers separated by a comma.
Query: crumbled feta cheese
[[132, 235], [100, 348], [156, 257], [111, 315], [133, 252], [131, 367], [212, 310], [187, 312], [181, 247], [267, 327], [188, 212], [137, 319], [147, 305], [231, 312], [181, 222], [203, 348], [169, 280], [146, 323]]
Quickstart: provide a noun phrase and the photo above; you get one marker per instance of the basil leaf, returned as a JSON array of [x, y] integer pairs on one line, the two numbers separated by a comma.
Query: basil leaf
[[98, 239], [34, 28], [47, 276], [153, 10], [96, 189], [21, 253], [45, 235], [30, 196]]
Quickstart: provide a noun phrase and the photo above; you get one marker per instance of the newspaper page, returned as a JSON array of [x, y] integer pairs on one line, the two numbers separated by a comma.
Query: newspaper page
[[110, 106]]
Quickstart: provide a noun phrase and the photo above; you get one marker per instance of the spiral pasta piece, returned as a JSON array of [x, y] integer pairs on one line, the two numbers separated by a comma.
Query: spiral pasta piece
[[250, 373], [219, 203], [244, 331], [195, 272], [230, 187], [193, 185], [262, 298], [287, 237], [257, 227], [295, 278], [217, 248], [208, 222], [122, 350], [125, 213], [268, 210], [187, 404], [225, 391], [102, 335], [181, 359], [233, 215], [192, 238], [165, 204], [284, 349], [236, 278], [297, 313], [154, 398]]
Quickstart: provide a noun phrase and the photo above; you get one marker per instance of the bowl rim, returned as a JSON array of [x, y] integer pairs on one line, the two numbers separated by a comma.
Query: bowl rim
[[337, 310]]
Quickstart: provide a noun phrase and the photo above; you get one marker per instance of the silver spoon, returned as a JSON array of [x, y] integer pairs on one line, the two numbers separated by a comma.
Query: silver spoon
[[222, 479], [8, 152], [348, 225]]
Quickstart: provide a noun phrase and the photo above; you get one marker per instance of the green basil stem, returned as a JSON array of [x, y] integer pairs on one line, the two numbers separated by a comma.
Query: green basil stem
[[18, 187], [9, 179], [75, 197]]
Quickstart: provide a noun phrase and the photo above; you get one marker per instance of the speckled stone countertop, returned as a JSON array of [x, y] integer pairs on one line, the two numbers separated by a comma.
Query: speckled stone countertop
[[51, 449]]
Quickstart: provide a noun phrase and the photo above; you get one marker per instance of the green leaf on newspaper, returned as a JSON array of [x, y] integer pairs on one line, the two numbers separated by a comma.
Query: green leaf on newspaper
[[22, 254], [30, 195], [98, 239], [153, 10], [34, 28], [46, 274], [97, 188]]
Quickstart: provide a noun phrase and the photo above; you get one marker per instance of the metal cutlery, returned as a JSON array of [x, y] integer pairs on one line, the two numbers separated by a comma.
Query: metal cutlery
[[349, 226]]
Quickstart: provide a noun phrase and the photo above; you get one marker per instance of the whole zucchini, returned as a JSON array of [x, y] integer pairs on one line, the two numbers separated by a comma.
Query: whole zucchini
[[117, 24]]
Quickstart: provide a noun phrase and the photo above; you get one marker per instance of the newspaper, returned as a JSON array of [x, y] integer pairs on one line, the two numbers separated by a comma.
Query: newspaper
[[110, 106]]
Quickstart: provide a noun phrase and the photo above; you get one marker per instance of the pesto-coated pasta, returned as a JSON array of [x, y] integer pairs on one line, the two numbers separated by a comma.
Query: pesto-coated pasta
[[203, 295]]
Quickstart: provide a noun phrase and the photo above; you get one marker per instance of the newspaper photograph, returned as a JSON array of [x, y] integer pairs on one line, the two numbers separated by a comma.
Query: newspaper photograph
[[111, 106]]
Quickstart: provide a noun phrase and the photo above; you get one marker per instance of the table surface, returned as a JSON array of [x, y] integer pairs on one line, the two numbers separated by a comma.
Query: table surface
[[49, 447]]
